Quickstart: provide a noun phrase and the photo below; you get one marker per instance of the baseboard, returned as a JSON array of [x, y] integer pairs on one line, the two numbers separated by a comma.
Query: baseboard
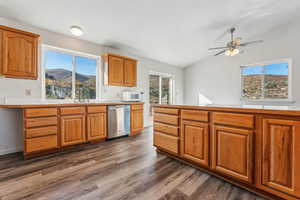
[[10, 150]]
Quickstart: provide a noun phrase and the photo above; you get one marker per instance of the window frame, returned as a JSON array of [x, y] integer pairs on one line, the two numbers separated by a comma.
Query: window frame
[[265, 100], [45, 47], [172, 85]]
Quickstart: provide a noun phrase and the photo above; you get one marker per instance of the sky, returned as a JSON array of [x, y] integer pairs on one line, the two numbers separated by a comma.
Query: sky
[[58, 60], [272, 69]]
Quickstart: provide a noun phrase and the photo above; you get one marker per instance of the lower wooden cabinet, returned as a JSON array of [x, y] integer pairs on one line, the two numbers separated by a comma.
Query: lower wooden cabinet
[[72, 130], [280, 156], [96, 126], [195, 142], [166, 142], [233, 152], [137, 119]]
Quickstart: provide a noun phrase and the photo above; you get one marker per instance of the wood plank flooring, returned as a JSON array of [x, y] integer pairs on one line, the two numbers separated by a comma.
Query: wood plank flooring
[[127, 169]]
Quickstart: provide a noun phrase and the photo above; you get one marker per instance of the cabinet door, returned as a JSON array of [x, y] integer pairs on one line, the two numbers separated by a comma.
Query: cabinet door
[[72, 130], [233, 152], [195, 142], [130, 73], [96, 126], [115, 70], [137, 121], [281, 155], [19, 55]]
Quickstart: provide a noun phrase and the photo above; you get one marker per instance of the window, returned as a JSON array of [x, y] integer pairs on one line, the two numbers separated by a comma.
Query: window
[[161, 88], [69, 75], [267, 81]]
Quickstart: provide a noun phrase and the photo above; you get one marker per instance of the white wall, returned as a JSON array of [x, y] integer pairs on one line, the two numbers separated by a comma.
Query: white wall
[[218, 78], [11, 134]]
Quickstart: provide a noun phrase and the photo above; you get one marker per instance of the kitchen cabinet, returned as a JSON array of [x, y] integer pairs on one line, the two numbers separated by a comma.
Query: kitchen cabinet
[[195, 142], [96, 123], [233, 152], [280, 155], [19, 53], [137, 119], [115, 70], [120, 70], [72, 129], [130, 74]]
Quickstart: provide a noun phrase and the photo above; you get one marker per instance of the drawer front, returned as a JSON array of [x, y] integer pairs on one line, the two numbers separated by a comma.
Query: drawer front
[[41, 143], [166, 142], [72, 110], [40, 112], [137, 107], [195, 115], [96, 109], [168, 119], [36, 122], [38, 132], [240, 120], [172, 130], [167, 111]]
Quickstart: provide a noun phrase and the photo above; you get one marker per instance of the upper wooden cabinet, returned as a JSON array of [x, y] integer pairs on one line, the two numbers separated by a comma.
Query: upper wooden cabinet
[[280, 155], [18, 53], [130, 73], [120, 71]]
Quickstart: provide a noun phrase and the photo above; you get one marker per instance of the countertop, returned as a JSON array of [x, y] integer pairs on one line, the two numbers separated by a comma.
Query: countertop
[[55, 104], [262, 109]]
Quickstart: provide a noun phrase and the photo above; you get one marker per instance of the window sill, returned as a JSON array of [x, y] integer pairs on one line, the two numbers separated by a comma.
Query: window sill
[[268, 102]]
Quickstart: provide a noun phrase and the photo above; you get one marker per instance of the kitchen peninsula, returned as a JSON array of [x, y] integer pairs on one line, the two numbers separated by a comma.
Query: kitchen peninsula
[[51, 127], [254, 147]]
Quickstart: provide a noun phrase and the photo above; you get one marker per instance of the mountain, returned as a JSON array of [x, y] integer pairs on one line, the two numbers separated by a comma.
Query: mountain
[[63, 74]]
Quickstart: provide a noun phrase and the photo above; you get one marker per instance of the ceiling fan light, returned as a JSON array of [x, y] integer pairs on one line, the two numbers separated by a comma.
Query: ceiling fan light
[[228, 52], [76, 30], [235, 52]]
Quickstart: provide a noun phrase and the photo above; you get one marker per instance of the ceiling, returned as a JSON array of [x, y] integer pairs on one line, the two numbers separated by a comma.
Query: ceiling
[[177, 32]]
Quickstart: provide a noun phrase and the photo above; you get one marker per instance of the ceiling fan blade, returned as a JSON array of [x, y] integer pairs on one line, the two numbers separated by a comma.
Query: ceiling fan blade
[[253, 42], [220, 52], [218, 48]]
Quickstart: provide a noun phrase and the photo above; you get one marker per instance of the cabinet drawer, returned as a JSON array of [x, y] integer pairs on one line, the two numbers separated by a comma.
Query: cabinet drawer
[[96, 109], [137, 107], [172, 130], [168, 119], [41, 112], [240, 120], [167, 111], [38, 132], [45, 121], [40, 143], [166, 142], [195, 115], [72, 110]]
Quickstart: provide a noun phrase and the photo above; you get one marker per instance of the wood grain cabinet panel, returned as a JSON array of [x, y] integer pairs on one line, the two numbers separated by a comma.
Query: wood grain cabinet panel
[[195, 115], [72, 130], [137, 121], [166, 142], [40, 143], [281, 155], [72, 110], [130, 73], [43, 121], [115, 70], [233, 152], [96, 126], [164, 128], [19, 55], [170, 111], [168, 119], [195, 142], [234, 119], [43, 131], [40, 112]]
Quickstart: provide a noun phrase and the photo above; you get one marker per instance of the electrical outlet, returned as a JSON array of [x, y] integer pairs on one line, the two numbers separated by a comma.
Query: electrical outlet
[[27, 92]]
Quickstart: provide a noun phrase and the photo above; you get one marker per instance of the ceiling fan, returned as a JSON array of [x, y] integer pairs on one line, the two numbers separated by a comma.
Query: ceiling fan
[[233, 47]]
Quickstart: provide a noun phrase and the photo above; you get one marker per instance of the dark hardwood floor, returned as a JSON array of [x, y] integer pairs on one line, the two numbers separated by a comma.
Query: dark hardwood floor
[[127, 169]]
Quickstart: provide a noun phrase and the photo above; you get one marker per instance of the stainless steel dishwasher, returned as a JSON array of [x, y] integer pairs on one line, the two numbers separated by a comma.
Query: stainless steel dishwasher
[[118, 121]]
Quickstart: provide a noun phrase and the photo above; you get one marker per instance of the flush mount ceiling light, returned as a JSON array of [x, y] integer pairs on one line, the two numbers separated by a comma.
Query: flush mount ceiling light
[[76, 30]]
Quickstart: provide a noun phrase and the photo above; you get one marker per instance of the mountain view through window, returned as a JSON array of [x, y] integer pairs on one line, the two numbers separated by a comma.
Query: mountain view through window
[[68, 76]]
